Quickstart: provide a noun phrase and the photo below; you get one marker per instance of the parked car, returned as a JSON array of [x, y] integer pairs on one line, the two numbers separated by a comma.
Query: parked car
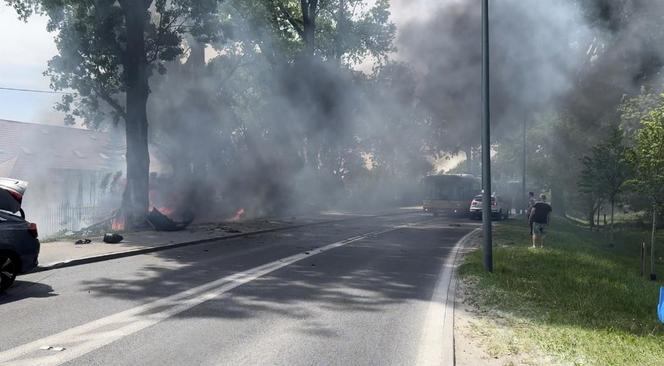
[[19, 243], [500, 208]]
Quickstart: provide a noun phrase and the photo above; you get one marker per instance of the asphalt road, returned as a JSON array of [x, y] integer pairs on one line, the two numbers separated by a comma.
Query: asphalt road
[[350, 293]]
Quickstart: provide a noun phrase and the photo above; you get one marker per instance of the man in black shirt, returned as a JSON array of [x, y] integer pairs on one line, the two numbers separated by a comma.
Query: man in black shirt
[[539, 219]]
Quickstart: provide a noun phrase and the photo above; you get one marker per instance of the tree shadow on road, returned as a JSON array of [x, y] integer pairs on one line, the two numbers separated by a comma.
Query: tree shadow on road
[[370, 275]]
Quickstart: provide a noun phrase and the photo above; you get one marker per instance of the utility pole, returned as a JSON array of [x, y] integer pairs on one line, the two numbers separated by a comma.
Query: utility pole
[[486, 142], [524, 200], [653, 274]]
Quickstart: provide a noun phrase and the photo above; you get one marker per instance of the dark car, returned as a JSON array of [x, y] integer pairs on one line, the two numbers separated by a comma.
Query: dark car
[[19, 246]]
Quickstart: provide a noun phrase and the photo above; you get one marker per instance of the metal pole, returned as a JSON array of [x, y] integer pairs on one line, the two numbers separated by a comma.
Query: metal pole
[[524, 202], [486, 141], [653, 274], [643, 258]]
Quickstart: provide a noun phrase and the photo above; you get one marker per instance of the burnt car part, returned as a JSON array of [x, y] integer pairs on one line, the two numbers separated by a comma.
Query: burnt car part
[[113, 238], [161, 222]]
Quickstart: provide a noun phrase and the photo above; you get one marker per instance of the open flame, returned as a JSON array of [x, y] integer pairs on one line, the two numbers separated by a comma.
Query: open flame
[[165, 210], [118, 222], [163, 202], [238, 215]]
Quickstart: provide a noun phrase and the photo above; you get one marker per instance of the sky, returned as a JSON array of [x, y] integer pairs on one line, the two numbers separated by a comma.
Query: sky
[[24, 59], [22, 63]]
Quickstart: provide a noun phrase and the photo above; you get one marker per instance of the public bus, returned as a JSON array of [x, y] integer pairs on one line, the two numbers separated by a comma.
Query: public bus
[[450, 194]]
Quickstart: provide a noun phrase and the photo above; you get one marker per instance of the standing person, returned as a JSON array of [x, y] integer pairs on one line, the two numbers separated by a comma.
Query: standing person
[[531, 203], [539, 219]]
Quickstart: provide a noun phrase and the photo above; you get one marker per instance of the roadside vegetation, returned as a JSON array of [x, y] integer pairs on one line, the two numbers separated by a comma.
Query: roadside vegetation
[[578, 301]]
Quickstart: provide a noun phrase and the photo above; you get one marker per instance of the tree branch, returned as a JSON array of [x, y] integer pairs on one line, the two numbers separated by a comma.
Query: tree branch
[[119, 109], [294, 22]]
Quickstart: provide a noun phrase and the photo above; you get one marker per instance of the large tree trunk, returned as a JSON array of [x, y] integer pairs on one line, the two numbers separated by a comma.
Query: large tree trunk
[[340, 32], [135, 199], [205, 117], [591, 217], [469, 159], [611, 235], [558, 199], [309, 12]]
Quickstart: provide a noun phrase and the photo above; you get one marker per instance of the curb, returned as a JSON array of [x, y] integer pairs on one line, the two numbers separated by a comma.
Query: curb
[[135, 252], [436, 346], [451, 291]]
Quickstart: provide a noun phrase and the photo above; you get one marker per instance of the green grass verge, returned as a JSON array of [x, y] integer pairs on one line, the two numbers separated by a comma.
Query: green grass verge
[[577, 300]]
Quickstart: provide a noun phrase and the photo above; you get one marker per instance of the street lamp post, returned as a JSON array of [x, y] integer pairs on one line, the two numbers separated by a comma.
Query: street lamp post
[[486, 142], [524, 162]]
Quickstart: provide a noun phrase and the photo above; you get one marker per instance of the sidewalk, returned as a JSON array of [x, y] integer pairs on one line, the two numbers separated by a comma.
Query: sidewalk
[[63, 253]]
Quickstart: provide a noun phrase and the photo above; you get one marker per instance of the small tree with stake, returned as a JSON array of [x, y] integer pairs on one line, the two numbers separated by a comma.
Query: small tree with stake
[[606, 171], [590, 189], [647, 159]]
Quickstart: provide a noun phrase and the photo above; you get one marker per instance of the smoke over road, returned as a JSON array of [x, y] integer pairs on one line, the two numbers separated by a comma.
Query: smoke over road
[[251, 122], [320, 133]]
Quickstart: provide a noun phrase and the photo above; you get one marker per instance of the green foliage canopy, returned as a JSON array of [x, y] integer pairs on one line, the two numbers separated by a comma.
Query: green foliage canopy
[[647, 157]]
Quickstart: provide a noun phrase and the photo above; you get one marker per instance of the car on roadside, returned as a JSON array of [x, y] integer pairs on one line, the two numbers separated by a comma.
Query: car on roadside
[[500, 208], [19, 243]]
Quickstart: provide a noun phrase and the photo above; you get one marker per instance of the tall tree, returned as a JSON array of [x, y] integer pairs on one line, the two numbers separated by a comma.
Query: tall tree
[[107, 51], [634, 109], [647, 158]]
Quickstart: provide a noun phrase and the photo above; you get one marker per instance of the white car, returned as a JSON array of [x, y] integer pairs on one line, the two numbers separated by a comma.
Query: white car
[[500, 208]]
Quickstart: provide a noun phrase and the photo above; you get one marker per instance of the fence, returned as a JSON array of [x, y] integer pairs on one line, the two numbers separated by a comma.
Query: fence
[[52, 220]]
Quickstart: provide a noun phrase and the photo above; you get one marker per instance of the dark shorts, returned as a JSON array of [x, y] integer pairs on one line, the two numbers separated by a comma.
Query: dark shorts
[[539, 229]]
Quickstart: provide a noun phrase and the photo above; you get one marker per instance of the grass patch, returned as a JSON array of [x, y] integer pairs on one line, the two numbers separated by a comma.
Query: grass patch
[[576, 300]]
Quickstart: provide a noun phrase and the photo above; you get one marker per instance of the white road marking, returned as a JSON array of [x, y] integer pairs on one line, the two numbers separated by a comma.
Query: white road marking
[[437, 340], [88, 337]]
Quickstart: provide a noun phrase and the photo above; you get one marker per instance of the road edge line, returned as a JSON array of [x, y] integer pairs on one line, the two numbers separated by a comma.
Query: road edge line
[[436, 346], [451, 290]]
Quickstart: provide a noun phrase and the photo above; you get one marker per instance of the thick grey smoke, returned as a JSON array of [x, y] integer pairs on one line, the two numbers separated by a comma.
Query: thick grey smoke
[[250, 130], [623, 56], [255, 128], [571, 61], [537, 49], [315, 131]]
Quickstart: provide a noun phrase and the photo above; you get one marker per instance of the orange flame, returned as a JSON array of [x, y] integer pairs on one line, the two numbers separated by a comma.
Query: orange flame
[[165, 210], [118, 222]]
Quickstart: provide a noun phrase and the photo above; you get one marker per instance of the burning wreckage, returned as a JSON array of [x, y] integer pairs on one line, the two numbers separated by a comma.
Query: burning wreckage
[[161, 216], [156, 219], [161, 222]]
